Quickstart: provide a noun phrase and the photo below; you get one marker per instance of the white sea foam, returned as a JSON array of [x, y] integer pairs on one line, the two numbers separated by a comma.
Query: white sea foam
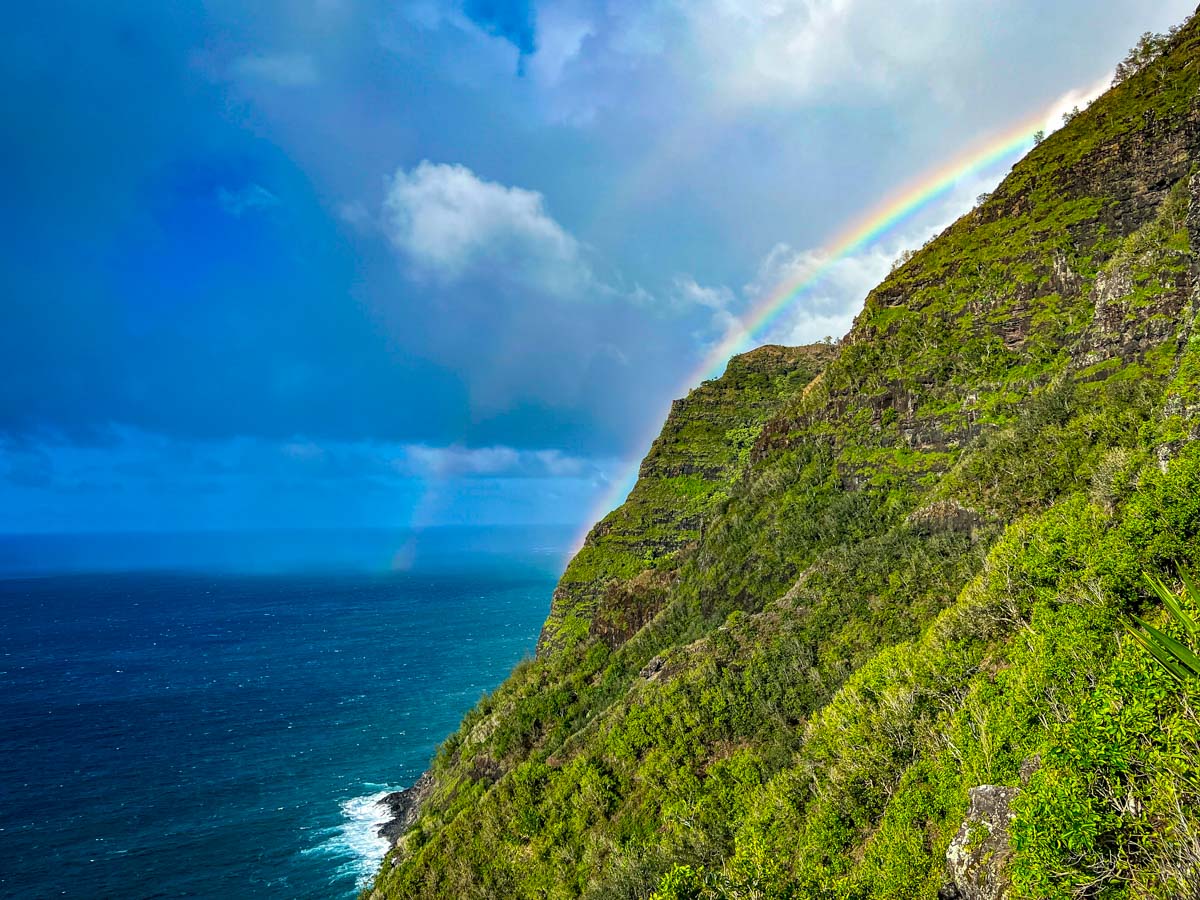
[[356, 840]]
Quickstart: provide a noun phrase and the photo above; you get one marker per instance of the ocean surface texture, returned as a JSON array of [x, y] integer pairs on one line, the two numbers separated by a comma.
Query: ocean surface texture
[[196, 731]]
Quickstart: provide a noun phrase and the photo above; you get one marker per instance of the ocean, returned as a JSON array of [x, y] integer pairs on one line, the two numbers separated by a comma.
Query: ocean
[[221, 724]]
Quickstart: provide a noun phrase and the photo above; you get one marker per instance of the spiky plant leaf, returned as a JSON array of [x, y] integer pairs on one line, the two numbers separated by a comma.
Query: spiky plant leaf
[[1167, 596], [1179, 652], [1173, 668], [1193, 592]]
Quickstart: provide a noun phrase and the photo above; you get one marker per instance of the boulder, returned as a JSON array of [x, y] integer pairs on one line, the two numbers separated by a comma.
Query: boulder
[[976, 858]]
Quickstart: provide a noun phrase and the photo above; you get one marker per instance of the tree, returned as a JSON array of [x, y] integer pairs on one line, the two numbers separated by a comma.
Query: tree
[[904, 257], [1150, 46]]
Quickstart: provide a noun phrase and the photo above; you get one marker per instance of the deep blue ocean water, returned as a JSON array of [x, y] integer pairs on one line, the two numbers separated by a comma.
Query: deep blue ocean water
[[199, 731]]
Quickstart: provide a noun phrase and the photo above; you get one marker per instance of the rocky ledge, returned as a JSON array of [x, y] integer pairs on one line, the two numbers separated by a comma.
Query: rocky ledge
[[405, 806]]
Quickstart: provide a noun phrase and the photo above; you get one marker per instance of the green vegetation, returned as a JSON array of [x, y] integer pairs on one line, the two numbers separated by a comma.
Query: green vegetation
[[1179, 660], [704, 444], [855, 582], [1150, 46]]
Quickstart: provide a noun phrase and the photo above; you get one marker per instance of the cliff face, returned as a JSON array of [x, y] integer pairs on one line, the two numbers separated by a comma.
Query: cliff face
[[619, 578], [858, 588]]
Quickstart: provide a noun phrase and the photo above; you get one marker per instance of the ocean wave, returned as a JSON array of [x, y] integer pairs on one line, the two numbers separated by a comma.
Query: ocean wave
[[356, 840]]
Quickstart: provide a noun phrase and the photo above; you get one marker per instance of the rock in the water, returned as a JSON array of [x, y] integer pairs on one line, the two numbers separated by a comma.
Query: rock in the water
[[976, 858], [405, 806]]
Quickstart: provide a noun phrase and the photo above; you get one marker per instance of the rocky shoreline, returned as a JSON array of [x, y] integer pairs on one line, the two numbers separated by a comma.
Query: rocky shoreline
[[404, 806]]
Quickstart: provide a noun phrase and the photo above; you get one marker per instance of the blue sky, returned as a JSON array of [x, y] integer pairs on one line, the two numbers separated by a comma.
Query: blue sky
[[332, 264]]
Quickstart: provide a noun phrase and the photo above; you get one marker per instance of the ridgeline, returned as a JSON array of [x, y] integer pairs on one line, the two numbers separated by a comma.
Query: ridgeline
[[859, 630]]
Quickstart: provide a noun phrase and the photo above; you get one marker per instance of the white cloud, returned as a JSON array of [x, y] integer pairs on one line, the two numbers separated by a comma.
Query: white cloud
[[303, 450], [769, 47], [719, 303], [450, 223], [430, 462], [688, 292], [559, 465], [355, 214], [828, 306], [442, 462], [280, 69], [1079, 98], [238, 201], [760, 51], [805, 49], [561, 33]]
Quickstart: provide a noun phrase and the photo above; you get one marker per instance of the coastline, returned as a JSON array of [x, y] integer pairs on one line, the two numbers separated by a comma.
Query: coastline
[[405, 807]]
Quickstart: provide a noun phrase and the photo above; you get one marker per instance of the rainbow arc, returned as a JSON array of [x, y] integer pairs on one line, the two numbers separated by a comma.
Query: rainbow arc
[[867, 230]]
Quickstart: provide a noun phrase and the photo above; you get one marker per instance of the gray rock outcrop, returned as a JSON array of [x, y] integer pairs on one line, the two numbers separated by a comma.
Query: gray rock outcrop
[[405, 806], [976, 858]]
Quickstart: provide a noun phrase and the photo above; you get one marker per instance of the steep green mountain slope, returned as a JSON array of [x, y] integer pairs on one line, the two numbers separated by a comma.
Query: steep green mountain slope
[[784, 667], [617, 580]]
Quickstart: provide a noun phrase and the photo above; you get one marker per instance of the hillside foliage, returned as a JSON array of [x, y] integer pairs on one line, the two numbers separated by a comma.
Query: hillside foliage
[[856, 581]]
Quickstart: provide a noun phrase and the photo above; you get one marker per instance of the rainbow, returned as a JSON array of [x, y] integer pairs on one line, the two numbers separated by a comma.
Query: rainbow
[[1012, 142]]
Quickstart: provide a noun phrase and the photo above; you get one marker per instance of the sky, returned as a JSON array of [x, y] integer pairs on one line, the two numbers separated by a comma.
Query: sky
[[328, 264]]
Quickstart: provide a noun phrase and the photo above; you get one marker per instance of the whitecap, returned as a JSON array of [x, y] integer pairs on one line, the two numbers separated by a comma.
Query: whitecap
[[356, 844]]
